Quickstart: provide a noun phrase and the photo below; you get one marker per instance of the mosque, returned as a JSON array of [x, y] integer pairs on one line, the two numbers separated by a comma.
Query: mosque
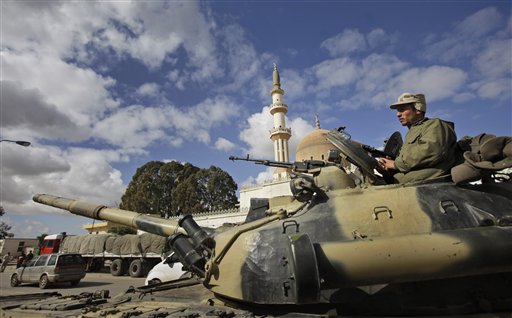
[[313, 146]]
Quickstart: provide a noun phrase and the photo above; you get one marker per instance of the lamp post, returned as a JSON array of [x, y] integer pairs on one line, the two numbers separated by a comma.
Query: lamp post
[[19, 142]]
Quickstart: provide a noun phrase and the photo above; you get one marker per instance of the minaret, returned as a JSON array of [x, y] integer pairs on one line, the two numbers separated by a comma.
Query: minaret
[[279, 134]]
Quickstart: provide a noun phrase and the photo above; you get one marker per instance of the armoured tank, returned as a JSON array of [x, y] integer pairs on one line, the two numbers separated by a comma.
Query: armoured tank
[[345, 243]]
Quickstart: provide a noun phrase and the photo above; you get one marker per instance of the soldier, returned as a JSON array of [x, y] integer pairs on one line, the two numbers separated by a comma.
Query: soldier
[[429, 149]]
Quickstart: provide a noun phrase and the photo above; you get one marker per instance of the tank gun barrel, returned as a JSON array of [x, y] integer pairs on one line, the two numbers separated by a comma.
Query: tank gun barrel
[[147, 223]]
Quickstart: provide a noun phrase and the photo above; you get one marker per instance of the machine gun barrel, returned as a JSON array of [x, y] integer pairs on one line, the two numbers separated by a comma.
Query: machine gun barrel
[[265, 162], [147, 223], [376, 152], [300, 166]]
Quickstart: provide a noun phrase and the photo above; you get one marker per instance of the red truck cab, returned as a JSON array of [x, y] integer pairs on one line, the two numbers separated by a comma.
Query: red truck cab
[[51, 243]]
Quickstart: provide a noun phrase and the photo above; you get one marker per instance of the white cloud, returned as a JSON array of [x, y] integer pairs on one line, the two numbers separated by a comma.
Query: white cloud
[[177, 79], [495, 89], [378, 79], [437, 82], [494, 64], [151, 32], [463, 97], [148, 89], [467, 38], [378, 37], [422, 80], [258, 125], [262, 177], [51, 28], [26, 115], [137, 126], [484, 38], [294, 85], [344, 43], [256, 134], [133, 126], [376, 73], [335, 73], [224, 145], [32, 160], [243, 61], [495, 60], [212, 112], [80, 94], [265, 175], [77, 173], [480, 23], [351, 40], [27, 228], [300, 128]]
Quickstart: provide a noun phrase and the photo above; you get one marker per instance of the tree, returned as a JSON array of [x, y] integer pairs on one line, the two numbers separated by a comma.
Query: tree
[[4, 227], [186, 196], [172, 188], [174, 174], [216, 188], [142, 193]]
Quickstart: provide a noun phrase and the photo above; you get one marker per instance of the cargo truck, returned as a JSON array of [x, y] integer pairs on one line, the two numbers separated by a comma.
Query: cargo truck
[[128, 254]]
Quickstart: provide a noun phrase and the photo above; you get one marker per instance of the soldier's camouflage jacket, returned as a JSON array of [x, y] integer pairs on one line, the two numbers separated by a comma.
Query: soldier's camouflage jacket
[[429, 151]]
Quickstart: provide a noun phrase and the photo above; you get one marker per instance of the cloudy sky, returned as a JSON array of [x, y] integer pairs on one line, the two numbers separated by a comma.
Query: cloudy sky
[[100, 88]]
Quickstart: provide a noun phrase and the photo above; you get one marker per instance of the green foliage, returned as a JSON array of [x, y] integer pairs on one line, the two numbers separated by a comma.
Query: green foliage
[[217, 189], [4, 227], [172, 188], [122, 230], [142, 193]]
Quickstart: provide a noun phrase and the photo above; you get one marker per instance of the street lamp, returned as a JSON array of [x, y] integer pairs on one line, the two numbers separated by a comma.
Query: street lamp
[[19, 142]]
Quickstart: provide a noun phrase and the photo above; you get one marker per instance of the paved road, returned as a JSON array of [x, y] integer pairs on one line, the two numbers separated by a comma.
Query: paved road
[[91, 283]]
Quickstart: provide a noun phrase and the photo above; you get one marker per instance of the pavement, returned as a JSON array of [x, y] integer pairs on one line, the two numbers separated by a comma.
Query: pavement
[[91, 282]]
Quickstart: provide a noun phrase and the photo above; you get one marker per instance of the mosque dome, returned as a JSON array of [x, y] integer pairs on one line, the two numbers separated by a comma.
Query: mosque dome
[[313, 146]]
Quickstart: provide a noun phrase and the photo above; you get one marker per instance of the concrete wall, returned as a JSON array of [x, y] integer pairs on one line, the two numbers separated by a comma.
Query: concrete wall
[[16, 245]]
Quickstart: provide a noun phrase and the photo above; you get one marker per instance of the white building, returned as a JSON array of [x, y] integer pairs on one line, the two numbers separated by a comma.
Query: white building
[[17, 245]]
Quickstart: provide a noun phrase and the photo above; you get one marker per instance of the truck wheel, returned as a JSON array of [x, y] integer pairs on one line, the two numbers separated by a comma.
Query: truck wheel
[[118, 267], [136, 268], [14, 280], [43, 282]]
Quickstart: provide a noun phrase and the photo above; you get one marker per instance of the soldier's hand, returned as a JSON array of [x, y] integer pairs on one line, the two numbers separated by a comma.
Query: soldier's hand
[[387, 164]]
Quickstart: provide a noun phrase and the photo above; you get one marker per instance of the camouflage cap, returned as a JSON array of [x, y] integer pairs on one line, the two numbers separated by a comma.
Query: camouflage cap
[[407, 98]]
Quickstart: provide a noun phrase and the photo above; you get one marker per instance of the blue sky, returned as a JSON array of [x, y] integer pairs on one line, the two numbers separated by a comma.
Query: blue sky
[[100, 88]]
